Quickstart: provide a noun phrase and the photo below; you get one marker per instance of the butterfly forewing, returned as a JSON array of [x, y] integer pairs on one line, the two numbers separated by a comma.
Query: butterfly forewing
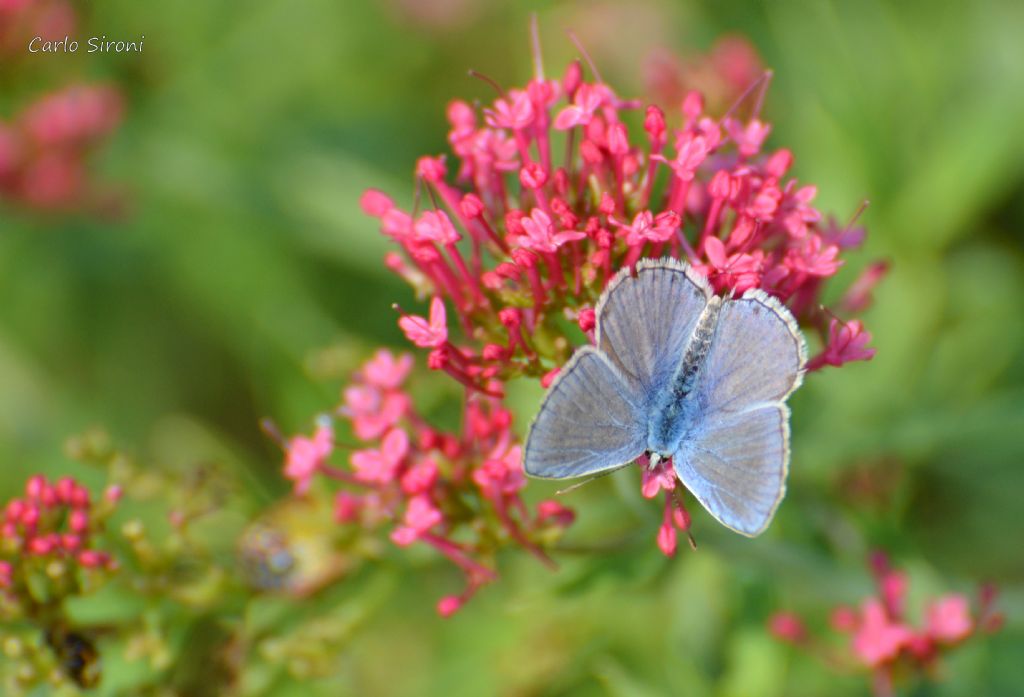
[[735, 457], [644, 323], [757, 356], [590, 421], [736, 466]]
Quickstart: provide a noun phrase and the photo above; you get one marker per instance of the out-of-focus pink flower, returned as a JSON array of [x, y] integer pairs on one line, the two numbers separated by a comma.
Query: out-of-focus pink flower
[[449, 605], [381, 465], [549, 511], [844, 619], [307, 455], [52, 520], [514, 111], [430, 333], [878, 639], [750, 137], [667, 538], [787, 627], [885, 643], [347, 507], [949, 619], [435, 226], [501, 474], [420, 515], [587, 100], [375, 203], [847, 341], [859, 296], [386, 371]]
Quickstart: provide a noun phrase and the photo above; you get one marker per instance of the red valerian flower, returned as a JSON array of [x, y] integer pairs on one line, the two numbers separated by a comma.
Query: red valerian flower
[[458, 493], [518, 236], [881, 636]]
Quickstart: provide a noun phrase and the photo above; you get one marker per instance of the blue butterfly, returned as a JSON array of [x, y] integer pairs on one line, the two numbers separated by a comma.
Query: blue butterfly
[[680, 373]]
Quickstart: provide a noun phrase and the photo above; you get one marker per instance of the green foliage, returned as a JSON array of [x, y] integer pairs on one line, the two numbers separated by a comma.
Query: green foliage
[[252, 128]]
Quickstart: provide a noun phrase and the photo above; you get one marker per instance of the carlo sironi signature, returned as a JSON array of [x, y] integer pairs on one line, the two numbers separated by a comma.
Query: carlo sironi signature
[[94, 44]]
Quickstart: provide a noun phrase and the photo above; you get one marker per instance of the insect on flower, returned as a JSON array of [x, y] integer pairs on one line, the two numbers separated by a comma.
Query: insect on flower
[[679, 374]]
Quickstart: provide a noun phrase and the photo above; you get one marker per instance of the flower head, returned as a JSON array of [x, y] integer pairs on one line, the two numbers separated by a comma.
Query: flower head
[[304, 456]]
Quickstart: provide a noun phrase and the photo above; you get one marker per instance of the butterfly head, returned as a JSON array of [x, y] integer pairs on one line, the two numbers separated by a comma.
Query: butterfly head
[[654, 459]]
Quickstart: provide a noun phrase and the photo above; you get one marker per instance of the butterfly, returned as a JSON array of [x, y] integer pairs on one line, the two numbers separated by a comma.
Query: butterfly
[[678, 372]]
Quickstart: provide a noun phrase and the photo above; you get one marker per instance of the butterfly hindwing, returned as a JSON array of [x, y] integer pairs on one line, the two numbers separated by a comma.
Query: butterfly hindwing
[[735, 458], [590, 421], [736, 466]]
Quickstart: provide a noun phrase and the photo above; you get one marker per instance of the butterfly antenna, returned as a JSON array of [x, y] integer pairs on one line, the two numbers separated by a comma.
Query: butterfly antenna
[[589, 479]]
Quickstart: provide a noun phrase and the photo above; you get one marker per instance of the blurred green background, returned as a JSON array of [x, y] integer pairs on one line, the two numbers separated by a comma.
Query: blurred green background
[[252, 127]]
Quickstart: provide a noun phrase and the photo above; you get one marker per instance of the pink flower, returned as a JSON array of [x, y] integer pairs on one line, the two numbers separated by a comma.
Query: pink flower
[[844, 619], [421, 477], [553, 512], [787, 627], [691, 151], [647, 228], [878, 639], [381, 465], [815, 257], [375, 203], [661, 477], [307, 455], [501, 475], [428, 334], [540, 236], [587, 100], [667, 538], [449, 605], [386, 371], [514, 112], [420, 515], [347, 507], [739, 271], [435, 226], [949, 619], [372, 411], [749, 138], [858, 296], [847, 341]]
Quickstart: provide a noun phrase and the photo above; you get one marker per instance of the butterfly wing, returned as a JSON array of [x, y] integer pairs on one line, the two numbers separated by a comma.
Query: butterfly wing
[[644, 323], [590, 421], [735, 458]]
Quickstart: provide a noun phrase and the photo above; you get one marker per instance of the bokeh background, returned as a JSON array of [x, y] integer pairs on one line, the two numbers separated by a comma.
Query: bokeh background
[[237, 279]]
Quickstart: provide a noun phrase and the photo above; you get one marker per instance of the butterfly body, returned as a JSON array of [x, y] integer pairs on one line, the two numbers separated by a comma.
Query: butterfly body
[[672, 415], [677, 372]]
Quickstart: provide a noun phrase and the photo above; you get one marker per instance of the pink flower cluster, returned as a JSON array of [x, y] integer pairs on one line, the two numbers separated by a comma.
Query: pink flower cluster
[[456, 492], [52, 521], [44, 148], [522, 239], [21, 20], [881, 637], [551, 192]]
